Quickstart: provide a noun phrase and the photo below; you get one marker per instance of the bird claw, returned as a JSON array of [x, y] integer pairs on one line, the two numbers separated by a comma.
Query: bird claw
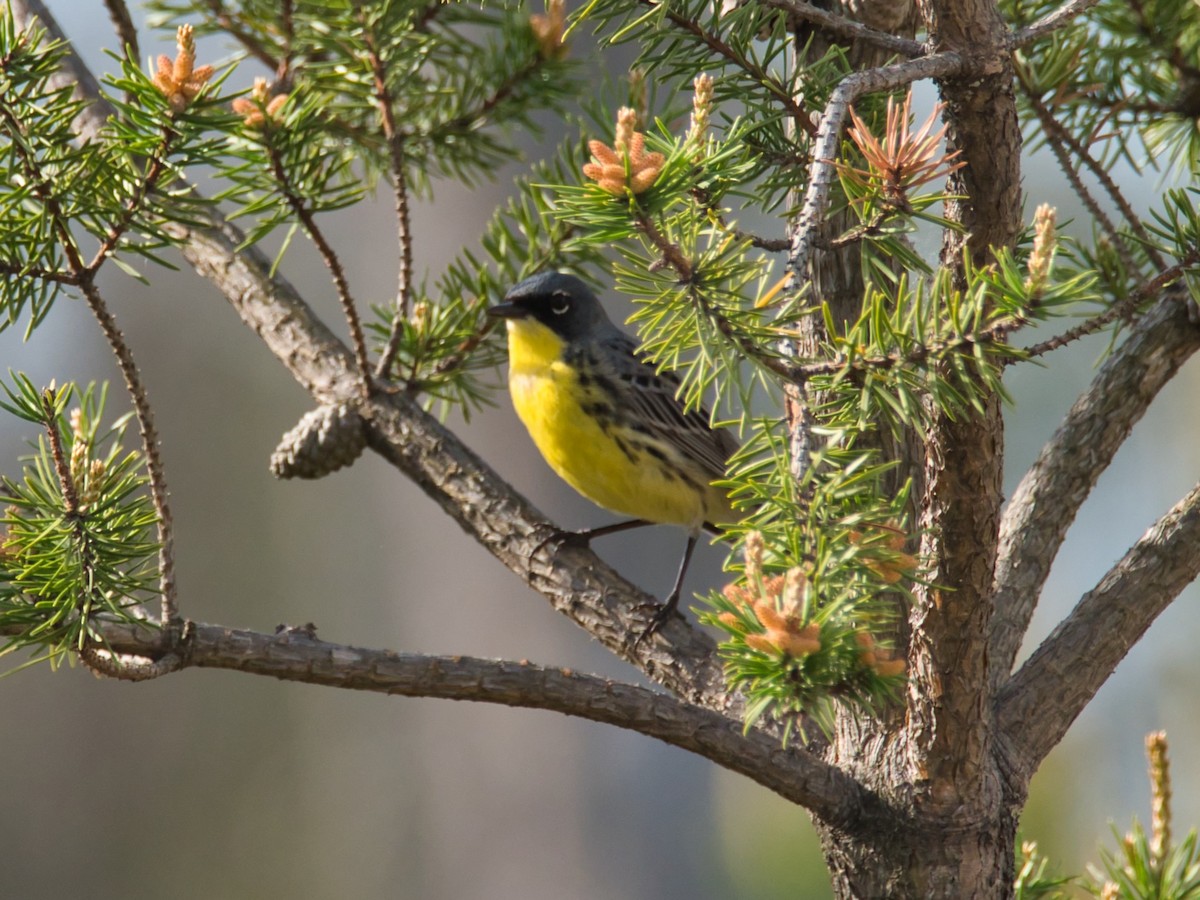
[[662, 612], [562, 536]]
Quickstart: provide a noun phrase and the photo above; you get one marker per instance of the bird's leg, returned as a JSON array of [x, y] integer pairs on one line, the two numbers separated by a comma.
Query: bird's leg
[[667, 609], [583, 538]]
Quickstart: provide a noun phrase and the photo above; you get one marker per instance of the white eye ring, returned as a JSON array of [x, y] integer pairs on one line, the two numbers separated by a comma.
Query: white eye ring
[[561, 310]]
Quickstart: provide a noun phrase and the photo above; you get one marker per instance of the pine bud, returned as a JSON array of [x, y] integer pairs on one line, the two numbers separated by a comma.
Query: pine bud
[[1160, 795], [179, 80], [1045, 242]]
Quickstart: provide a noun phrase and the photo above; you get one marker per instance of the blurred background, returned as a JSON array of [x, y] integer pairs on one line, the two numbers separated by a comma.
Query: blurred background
[[218, 785]]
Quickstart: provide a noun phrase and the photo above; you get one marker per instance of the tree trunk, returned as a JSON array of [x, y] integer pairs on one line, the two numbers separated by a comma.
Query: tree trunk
[[952, 825], [923, 858]]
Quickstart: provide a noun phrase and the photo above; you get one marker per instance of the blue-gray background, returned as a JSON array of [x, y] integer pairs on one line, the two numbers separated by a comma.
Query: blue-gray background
[[218, 785]]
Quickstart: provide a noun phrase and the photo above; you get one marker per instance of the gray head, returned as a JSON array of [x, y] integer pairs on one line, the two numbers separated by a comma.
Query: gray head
[[561, 302]]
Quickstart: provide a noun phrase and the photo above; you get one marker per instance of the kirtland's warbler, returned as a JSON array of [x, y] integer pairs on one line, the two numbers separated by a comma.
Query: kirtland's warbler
[[606, 421]]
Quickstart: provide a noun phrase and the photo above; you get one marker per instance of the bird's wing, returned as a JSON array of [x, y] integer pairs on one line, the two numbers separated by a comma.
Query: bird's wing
[[650, 398]]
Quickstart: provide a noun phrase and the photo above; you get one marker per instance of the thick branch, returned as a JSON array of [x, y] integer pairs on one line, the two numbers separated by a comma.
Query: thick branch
[[1051, 22], [296, 655], [72, 73], [1038, 706], [848, 29], [576, 582], [1048, 498], [829, 134]]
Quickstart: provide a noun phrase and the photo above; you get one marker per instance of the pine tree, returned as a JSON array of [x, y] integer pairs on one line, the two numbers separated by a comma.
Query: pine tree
[[860, 663]]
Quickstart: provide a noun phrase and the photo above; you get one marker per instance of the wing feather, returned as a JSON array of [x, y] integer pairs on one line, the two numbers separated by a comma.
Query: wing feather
[[650, 399]]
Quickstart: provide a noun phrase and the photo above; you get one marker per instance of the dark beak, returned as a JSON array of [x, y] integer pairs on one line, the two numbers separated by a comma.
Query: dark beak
[[508, 311]]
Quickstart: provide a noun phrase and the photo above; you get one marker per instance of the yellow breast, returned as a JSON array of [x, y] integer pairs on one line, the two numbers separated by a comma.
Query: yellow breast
[[603, 461]]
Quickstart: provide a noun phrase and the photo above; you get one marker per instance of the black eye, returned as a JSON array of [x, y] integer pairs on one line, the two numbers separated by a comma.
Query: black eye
[[561, 304]]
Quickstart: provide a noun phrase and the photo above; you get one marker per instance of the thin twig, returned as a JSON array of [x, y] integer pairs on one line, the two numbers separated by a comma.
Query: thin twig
[[126, 31], [829, 132], [1061, 141], [672, 255], [771, 245], [1050, 22], [846, 28], [61, 467], [870, 228], [395, 143], [1122, 309], [19, 270], [717, 45], [332, 263], [231, 26], [150, 445]]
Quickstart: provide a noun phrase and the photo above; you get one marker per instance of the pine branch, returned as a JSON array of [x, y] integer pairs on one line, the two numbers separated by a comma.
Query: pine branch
[[575, 581], [297, 655], [828, 139], [1123, 309], [155, 168], [331, 260], [1046, 501], [716, 44], [673, 256], [1051, 22], [848, 29], [1041, 701], [230, 25], [127, 34], [1067, 147], [471, 117], [42, 189], [395, 143]]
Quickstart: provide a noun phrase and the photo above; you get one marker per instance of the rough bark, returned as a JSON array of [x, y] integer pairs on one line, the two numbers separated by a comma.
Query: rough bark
[[1046, 501], [925, 803], [956, 835]]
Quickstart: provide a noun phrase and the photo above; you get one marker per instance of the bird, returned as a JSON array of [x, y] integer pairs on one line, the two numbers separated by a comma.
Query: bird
[[608, 422]]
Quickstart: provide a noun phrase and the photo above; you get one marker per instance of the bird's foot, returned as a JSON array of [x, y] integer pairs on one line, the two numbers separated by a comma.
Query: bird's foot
[[660, 613], [584, 538], [561, 537]]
